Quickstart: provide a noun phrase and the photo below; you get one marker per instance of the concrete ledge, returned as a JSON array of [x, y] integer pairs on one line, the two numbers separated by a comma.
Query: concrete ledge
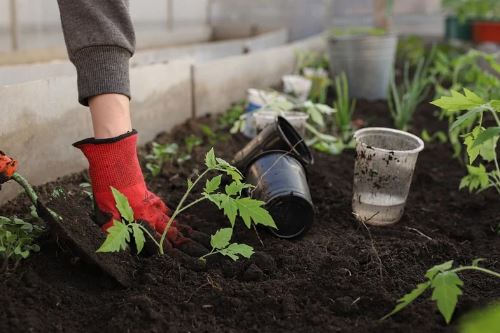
[[221, 82], [198, 52], [266, 40]]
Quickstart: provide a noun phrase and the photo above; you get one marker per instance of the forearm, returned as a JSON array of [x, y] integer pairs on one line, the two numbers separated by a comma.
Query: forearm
[[100, 41]]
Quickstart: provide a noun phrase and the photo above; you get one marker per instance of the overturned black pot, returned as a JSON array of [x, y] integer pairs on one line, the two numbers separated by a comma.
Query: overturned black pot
[[279, 136], [280, 181]]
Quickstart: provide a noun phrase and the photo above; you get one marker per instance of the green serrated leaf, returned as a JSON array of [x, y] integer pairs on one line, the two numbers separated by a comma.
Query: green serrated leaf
[[235, 188], [251, 210], [213, 184], [495, 104], [446, 289], [138, 235], [408, 298], [486, 135], [117, 238], [243, 250], [210, 159], [123, 205], [230, 208], [431, 272], [221, 238], [459, 102], [229, 254], [476, 179]]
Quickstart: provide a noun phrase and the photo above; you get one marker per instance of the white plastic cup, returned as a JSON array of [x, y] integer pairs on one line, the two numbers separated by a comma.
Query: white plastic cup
[[266, 118], [385, 161], [257, 99], [297, 86]]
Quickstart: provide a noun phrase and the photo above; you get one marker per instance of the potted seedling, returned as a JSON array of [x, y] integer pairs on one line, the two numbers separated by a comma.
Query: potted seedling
[[366, 56]]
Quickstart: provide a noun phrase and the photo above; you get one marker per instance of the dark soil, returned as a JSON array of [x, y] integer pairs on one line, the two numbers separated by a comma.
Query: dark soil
[[339, 277]]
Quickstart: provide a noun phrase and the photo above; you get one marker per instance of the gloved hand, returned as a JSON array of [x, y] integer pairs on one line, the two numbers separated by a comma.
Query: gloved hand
[[113, 163], [7, 167]]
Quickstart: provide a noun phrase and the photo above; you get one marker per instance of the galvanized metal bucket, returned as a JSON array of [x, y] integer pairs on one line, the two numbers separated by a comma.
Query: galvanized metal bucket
[[366, 60]]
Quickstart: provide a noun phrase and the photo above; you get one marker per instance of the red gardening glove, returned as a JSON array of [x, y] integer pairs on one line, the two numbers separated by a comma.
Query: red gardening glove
[[7, 167], [113, 163]]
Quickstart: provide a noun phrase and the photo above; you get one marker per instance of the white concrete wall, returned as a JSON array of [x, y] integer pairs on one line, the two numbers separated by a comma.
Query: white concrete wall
[[198, 52], [221, 82]]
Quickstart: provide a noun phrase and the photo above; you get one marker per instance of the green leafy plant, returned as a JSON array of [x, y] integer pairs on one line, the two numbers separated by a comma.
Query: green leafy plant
[[481, 321], [445, 284], [211, 135], [403, 100], [232, 115], [345, 109], [230, 201], [190, 142], [480, 141], [160, 154], [472, 9], [221, 243], [320, 84], [121, 232], [17, 241], [473, 70], [310, 59]]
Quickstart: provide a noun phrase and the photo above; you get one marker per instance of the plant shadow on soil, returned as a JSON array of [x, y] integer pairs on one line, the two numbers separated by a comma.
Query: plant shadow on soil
[[337, 278]]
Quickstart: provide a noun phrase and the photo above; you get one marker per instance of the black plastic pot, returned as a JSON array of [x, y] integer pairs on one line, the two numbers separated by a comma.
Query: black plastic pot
[[279, 136], [280, 181]]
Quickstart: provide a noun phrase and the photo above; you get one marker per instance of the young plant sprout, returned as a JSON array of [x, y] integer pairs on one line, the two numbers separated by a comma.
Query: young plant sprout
[[160, 154], [345, 109], [17, 239], [230, 201], [403, 100], [480, 141], [446, 287], [190, 143]]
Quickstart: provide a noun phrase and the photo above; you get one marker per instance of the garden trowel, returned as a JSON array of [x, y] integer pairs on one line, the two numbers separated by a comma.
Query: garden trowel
[[81, 233]]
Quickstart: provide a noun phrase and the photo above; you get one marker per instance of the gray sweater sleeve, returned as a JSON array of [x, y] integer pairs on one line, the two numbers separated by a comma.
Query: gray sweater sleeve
[[100, 40]]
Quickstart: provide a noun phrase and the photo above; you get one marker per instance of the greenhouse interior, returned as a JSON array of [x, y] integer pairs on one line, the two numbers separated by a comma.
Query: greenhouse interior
[[250, 166]]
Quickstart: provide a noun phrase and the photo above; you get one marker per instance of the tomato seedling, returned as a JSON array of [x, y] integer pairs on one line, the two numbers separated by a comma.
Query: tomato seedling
[[480, 141], [17, 239], [446, 287], [230, 201]]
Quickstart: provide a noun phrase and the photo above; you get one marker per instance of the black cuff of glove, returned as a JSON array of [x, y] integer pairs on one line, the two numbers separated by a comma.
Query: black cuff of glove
[[95, 141]]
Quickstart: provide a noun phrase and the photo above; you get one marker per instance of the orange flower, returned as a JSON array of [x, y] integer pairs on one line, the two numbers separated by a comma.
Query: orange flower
[[7, 167]]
